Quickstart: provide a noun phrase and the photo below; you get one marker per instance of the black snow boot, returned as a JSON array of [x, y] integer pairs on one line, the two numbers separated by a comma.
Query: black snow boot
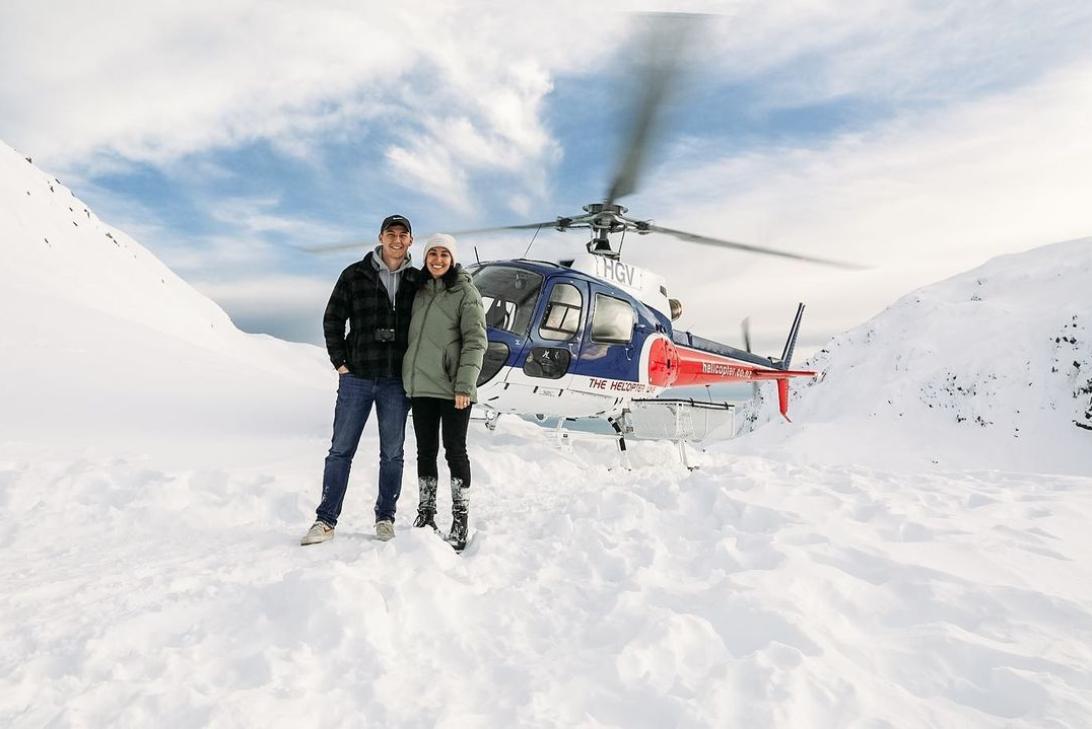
[[460, 512], [426, 506]]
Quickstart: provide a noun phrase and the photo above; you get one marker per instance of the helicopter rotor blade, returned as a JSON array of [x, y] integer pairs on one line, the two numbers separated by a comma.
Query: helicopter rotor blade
[[706, 240], [662, 44], [528, 226], [338, 247], [368, 244]]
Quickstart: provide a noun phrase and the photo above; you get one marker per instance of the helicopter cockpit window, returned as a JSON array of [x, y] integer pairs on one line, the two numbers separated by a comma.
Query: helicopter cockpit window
[[561, 321], [613, 320], [509, 296]]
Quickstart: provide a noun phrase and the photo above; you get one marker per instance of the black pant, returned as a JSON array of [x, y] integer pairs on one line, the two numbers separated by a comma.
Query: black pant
[[429, 413]]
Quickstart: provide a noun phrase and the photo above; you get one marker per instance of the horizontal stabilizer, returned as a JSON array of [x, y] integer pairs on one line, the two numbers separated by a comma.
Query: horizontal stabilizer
[[779, 374]]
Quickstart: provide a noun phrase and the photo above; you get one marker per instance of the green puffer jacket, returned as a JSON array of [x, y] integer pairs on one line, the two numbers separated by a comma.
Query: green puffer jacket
[[447, 341]]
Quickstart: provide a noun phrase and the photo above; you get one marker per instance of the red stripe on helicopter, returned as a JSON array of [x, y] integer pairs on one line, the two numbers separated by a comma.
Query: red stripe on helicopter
[[696, 367]]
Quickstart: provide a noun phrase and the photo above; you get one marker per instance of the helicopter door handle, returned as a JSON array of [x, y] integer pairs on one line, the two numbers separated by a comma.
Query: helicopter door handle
[[638, 328]]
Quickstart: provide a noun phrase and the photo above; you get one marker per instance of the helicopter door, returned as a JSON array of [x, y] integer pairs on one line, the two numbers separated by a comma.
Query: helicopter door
[[610, 352], [552, 347], [510, 296]]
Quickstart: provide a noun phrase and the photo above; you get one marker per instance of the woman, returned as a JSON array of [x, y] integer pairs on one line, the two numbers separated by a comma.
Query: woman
[[447, 343]]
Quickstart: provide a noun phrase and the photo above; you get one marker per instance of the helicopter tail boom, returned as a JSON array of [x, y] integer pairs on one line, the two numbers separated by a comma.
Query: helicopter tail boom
[[701, 367], [705, 362]]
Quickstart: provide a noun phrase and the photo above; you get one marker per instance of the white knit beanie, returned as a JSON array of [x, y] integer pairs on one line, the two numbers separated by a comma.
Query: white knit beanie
[[441, 240]]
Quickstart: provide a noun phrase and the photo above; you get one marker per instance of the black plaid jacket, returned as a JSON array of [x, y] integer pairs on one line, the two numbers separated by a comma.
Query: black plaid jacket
[[361, 299]]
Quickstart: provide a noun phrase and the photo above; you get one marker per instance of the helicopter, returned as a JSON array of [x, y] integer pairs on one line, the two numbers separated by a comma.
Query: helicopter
[[592, 336]]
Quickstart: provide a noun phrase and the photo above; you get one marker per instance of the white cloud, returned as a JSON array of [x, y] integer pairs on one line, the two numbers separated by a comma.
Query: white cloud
[[243, 242], [921, 198], [86, 83], [454, 97], [895, 50], [270, 295], [284, 305], [520, 205], [254, 217], [433, 169], [159, 80]]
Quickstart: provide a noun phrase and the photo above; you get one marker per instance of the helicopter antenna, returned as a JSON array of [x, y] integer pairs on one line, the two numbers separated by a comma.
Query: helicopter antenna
[[476, 258], [532, 241], [621, 242]]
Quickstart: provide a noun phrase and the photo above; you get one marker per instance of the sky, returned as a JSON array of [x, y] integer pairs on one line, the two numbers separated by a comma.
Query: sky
[[917, 138]]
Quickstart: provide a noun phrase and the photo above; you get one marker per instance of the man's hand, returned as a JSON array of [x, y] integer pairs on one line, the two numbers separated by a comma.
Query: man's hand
[[461, 401], [343, 370]]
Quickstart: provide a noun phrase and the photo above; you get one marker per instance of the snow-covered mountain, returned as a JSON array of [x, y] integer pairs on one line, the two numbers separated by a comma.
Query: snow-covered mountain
[[989, 369], [99, 337]]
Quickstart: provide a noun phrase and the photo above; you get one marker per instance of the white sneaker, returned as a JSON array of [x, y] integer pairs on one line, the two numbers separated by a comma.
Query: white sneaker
[[384, 530], [320, 531]]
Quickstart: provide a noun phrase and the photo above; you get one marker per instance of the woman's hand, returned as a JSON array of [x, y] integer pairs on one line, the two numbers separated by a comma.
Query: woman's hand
[[461, 401], [343, 370]]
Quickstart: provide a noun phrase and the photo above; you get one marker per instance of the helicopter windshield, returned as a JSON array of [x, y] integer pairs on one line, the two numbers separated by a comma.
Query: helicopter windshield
[[509, 296]]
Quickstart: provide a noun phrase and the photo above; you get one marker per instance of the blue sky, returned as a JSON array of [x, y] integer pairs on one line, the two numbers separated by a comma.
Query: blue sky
[[921, 138]]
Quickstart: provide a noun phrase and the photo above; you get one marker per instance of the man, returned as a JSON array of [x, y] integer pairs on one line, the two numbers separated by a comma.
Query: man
[[375, 296]]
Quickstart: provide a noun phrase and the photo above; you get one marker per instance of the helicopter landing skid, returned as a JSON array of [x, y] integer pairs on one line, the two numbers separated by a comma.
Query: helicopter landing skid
[[622, 426], [563, 439]]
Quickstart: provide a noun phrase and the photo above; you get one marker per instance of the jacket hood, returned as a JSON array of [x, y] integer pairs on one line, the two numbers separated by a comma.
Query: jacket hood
[[377, 261], [462, 279]]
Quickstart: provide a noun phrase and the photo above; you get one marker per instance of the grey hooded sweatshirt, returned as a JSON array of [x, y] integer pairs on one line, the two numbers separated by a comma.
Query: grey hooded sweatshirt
[[390, 279]]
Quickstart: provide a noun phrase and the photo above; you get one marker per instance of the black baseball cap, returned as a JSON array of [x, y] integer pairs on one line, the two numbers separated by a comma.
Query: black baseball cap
[[395, 220]]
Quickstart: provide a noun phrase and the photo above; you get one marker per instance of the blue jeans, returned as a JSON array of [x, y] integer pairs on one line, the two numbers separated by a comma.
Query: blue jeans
[[355, 396]]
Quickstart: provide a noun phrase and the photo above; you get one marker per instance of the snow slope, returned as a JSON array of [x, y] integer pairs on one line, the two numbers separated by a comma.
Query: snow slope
[[754, 592], [989, 369], [157, 468], [96, 329]]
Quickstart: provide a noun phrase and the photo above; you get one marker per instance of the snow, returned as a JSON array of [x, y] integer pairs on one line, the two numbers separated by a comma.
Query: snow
[[97, 331], [989, 369], [158, 467]]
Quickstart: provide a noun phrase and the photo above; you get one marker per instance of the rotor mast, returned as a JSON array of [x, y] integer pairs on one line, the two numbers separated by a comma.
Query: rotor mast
[[605, 219]]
